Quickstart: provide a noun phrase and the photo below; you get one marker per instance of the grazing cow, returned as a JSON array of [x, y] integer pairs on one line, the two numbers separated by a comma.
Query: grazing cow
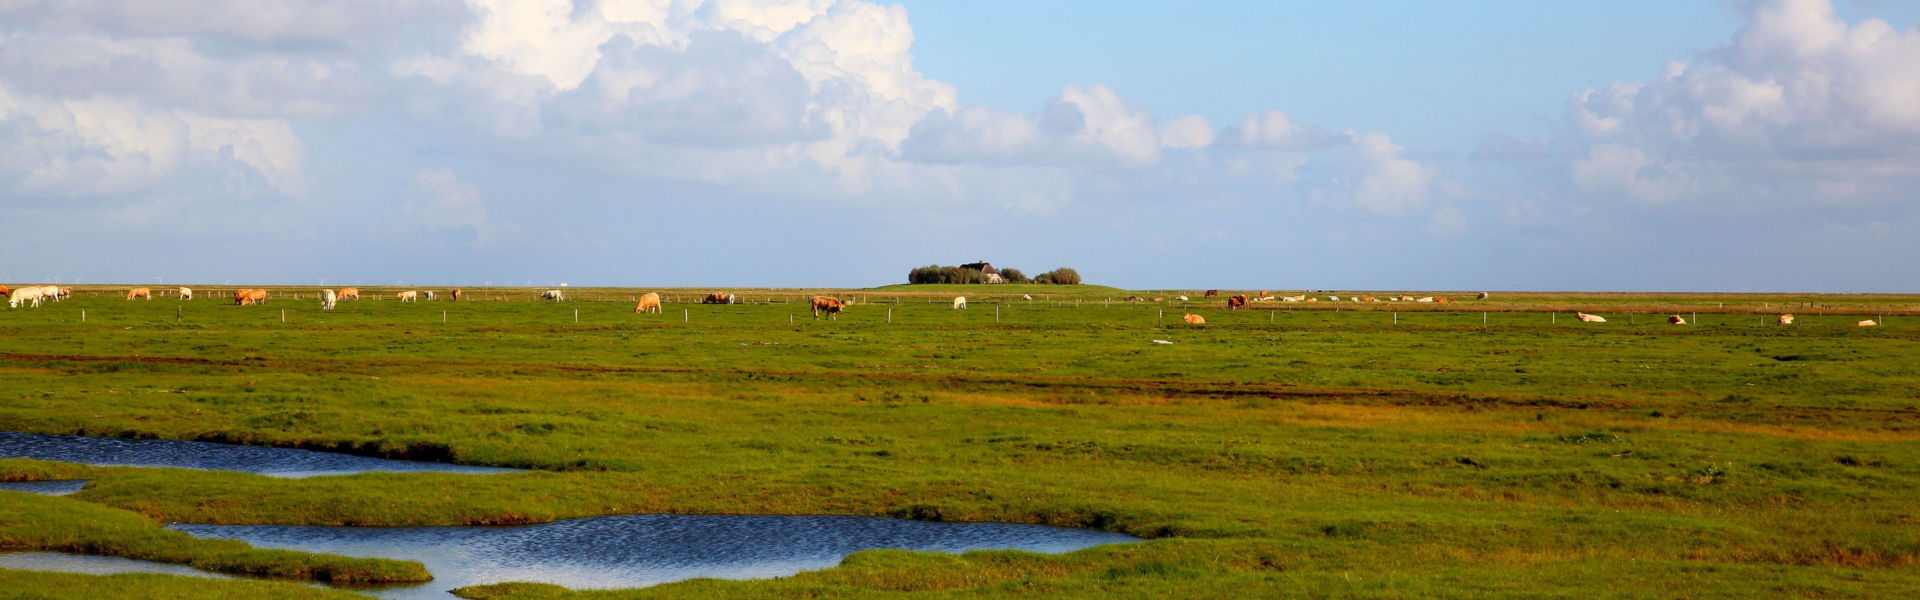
[[831, 306], [648, 303], [720, 298], [28, 295], [186, 293], [408, 296], [454, 295], [554, 295], [1587, 318], [429, 294], [328, 299], [131, 294], [63, 293], [1482, 296], [349, 293], [1236, 302], [1786, 319], [1333, 298], [1193, 319], [1676, 320], [1868, 323], [1211, 293], [959, 302]]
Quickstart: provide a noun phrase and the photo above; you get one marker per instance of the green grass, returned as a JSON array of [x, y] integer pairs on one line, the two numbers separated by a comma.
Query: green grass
[[1287, 451], [1001, 289]]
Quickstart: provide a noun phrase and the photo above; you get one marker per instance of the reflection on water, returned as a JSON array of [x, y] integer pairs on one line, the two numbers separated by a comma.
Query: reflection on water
[[51, 488], [276, 462], [94, 565], [641, 550]]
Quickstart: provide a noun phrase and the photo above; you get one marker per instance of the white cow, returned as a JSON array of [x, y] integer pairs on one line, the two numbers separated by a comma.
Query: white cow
[[1026, 296], [408, 296], [1180, 298], [959, 302], [1587, 318], [186, 293], [1426, 299], [429, 294], [554, 295], [327, 299], [1333, 298], [1868, 323], [30, 294]]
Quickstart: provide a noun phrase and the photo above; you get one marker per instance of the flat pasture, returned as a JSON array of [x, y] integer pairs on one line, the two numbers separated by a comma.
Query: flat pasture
[[1470, 449]]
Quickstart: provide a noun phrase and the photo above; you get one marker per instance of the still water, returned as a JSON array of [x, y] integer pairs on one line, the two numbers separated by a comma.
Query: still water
[[275, 462], [51, 488], [641, 550]]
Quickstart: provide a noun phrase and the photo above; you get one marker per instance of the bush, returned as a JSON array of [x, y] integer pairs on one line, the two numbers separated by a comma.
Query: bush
[[1060, 276], [1014, 276], [941, 274]]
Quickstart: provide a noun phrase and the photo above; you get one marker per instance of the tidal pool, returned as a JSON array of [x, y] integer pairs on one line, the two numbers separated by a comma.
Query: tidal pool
[[640, 550], [60, 487], [274, 462], [95, 565]]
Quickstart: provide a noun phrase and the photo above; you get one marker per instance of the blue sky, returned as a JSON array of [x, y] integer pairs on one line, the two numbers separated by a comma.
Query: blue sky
[[1771, 145]]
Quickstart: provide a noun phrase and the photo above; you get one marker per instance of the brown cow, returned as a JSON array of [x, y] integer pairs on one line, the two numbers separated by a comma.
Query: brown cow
[[455, 294], [648, 303], [245, 297], [831, 306], [720, 298], [1159, 298], [1132, 298], [137, 293], [349, 293], [1193, 319], [1236, 301], [1211, 293], [4, 292]]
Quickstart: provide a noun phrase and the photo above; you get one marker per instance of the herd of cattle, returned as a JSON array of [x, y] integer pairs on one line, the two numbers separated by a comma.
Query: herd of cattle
[[828, 306]]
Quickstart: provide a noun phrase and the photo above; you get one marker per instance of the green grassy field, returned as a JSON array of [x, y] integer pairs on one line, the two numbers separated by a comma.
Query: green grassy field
[[1317, 450]]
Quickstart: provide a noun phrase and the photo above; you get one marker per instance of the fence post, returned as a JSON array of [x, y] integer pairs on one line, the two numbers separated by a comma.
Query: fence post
[[1396, 317], [1162, 320], [576, 315], [443, 316], [890, 314], [176, 313], [686, 315], [83, 315], [283, 315], [1483, 318], [996, 313]]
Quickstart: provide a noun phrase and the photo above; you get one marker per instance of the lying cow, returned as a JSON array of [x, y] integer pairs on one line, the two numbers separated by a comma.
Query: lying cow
[[1587, 318], [1180, 298], [1236, 302], [1868, 323], [720, 298], [1786, 319], [831, 306], [328, 299], [959, 302], [648, 303], [1193, 319], [131, 294], [1676, 320]]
